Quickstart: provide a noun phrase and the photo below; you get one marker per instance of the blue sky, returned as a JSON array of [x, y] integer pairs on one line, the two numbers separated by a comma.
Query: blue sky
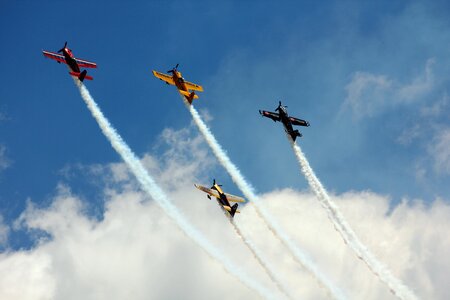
[[247, 56], [371, 78]]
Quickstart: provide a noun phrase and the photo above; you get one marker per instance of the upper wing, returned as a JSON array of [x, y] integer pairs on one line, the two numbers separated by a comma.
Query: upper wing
[[271, 115], [193, 86], [85, 64], [58, 57], [164, 77], [211, 192], [233, 198], [300, 122]]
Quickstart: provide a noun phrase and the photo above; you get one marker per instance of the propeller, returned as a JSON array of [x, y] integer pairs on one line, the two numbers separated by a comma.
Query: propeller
[[62, 49], [214, 182], [174, 69], [279, 106]]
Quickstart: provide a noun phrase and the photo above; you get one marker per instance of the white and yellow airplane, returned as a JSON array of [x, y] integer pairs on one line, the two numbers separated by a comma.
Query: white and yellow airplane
[[223, 199], [182, 85]]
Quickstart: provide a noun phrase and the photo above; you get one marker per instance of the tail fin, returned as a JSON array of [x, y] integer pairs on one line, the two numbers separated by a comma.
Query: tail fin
[[294, 134], [82, 75], [233, 209], [189, 96]]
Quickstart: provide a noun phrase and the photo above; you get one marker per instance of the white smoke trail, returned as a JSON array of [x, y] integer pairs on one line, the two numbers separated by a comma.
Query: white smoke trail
[[349, 236], [263, 262], [247, 189], [154, 191]]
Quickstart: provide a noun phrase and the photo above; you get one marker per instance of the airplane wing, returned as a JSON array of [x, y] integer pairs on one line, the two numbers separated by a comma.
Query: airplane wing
[[164, 77], [211, 192], [270, 115], [58, 57], [233, 198], [299, 122], [193, 86], [85, 64]]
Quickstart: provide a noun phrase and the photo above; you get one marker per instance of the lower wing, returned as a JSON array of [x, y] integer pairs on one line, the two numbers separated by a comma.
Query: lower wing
[[299, 122], [55, 56], [208, 191], [270, 115], [193, 86], [233, 198], [164, 77], [85, 64]]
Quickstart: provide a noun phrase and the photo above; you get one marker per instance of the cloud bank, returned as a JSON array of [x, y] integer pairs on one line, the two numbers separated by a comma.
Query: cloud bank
[[135, 252]]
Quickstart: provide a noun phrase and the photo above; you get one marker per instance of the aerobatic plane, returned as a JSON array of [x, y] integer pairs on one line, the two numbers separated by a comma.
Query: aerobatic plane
[[74, 63], [223, 199], [287, 121], [182, 85]]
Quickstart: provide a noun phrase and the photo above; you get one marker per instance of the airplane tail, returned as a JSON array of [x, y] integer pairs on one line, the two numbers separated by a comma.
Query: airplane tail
[[294, 134], [189, 96], [81, 76], [233, 209]]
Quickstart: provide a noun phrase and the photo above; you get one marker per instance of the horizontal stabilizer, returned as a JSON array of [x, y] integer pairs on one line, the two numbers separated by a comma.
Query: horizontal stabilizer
[[189, 96], [230, 209], [81, 75], [294, 134]]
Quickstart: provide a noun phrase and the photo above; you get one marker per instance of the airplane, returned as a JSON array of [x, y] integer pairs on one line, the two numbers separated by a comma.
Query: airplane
[[287, 121], [182, 85], [223, 199], [74, 63]]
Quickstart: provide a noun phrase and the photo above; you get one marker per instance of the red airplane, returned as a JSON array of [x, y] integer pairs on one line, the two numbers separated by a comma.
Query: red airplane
[[74, 63]]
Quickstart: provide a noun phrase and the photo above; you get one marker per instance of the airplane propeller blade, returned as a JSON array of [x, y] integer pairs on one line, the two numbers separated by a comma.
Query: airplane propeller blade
[[279, 105], [174, 69], [61, 50]]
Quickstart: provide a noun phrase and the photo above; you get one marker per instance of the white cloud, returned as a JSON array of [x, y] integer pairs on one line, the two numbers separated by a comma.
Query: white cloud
[[5, 162], [3, 117], [4, 232], [418, 87], [439, 150], [410, 134], [366, 92], [435, 109], [135, 252], [369, 94]]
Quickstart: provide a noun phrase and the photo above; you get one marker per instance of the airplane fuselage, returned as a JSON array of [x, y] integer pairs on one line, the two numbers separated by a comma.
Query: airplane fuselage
[[179, 81], [223, 199], [284, 117], [71, 62], [285, 120]]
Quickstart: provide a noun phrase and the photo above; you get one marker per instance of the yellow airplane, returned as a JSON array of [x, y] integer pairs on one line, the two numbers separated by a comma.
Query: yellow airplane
[[182, 85], [223, 199]]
